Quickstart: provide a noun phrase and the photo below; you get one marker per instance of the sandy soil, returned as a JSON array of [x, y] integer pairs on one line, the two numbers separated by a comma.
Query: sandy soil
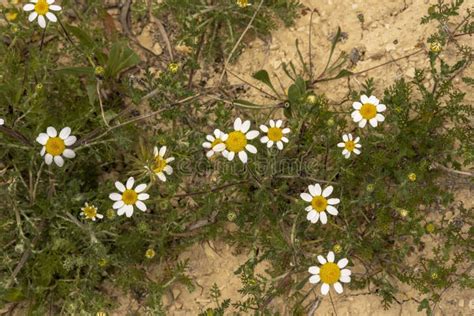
[[391, 30]]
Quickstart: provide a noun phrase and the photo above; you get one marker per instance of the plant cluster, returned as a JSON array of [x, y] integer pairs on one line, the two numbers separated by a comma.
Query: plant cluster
[[84, 143]]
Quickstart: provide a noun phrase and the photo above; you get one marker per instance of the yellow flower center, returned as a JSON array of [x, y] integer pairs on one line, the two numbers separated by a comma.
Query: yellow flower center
[[41, 7], [159, 165], [243, 3], [330, 273], [55, 146], [129, 197], [90, 211], [368, 111], [275, 134], [236, 141], [350, 145], [319, 203], [217, 141]]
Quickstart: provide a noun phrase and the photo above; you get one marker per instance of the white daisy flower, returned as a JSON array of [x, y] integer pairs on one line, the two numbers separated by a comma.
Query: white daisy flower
[[55, 146], [42, 9], [128, 197], [349, 145], [2, 121], [89, 211], [319, 203], [275, 134], [215, 143], [368, 109], [236, 142], [160, 165], [330, 273]]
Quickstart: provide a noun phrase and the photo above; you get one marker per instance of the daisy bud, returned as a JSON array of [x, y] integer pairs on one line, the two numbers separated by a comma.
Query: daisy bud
[[430, 228], [370, 188], [311, 99], [173, 68], [436, 47], [39, 87], [11, 16], [412, 177], [150, 253], [434, 276], [403, 212], [102, 262], [110, 213], [337, 248], [231, 216], [330, 122], [101, 314], [99, 71]]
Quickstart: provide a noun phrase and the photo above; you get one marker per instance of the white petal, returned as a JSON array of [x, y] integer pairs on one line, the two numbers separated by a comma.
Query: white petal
[[345, 279], [373, 122], [130, 183], [341, 145], [161, 176], [100, 216], [141, 206], [338, 287], [237, 124], [210, 138], [308, 208], [330, 256], [321, 259], [314, 270], [347, 154], [306, 197], [264, 139], [318, 189], [272, 123], [205, 145], [217, 133], [210, 153], [333, 201], [286, 130], [128, 210], [55, 8], [69, 153], [70, 140], [332, 210], [245, 126], [162, 151], [58, 160], [380, 117], [324, 289], [342, 263], [312, 190], [356, 116], [280, 145], [42, 21], [356, 151], [51, 131], [373, 100], [364, 99], [327, 191], [346, 272], [219, 147], [143, 196], [118, 204], [381, 107], [311, 215], [314, 279], [43, 151], [243, 156], [50, 1], [32, 16], [278, 123], [270, 143], [350, 136], [121, 211], [315, 219], [345, 138], [115, 197], [357, 105], [231, 155], [168, 169], [119, 186], [48, 159], [284, 139], [140, 188], [224, 137], [251, 148], [356, 140], [51, 17], [252, 134], [42, 138], [28, 7], [362, 123], [170, 159], [155, 151], [263, 128], [323, 217], [65, 132]]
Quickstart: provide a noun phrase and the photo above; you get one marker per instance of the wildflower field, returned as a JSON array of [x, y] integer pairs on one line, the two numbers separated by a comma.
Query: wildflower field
[[234, 157]]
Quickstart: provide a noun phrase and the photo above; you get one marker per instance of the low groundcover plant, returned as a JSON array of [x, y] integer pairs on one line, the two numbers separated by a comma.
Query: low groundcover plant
[[291, 196]]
